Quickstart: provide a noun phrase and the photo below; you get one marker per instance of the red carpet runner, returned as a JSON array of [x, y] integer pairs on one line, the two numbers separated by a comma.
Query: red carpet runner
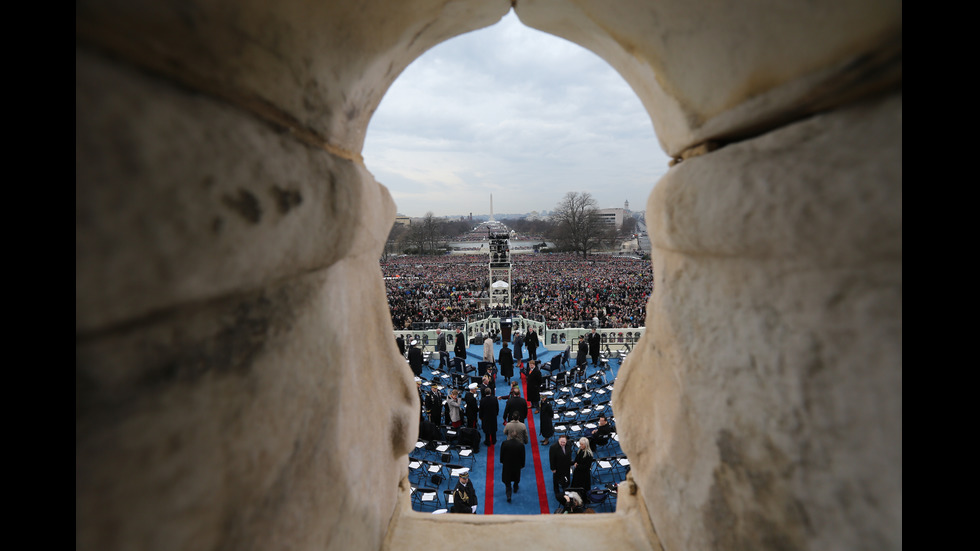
[[488, 498], [532, 434]]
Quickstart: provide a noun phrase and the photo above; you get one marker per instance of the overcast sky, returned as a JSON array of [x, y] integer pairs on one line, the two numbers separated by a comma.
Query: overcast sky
[[515, 112]]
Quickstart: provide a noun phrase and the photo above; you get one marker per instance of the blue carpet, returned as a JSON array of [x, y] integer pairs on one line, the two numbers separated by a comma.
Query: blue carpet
[[528, 499]]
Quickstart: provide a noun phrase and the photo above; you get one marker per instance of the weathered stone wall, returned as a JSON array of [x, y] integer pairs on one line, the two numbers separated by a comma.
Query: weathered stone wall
[[766, 400], [218, 401], [225, 224]]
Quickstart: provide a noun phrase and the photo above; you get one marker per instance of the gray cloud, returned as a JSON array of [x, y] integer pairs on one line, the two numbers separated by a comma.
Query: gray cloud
[[515, 112]]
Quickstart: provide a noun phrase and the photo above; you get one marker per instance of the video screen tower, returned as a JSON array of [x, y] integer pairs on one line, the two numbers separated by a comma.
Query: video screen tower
[[500, 273]]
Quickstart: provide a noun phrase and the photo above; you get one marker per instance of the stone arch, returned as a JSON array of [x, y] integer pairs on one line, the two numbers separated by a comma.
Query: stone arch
[[225, 224]]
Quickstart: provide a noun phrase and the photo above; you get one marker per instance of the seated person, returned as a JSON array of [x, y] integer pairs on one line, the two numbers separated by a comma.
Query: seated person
[[464, 495], [571, 503], [599, 436]]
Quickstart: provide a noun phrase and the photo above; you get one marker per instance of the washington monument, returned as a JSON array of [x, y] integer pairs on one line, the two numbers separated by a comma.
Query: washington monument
[[491, 207]]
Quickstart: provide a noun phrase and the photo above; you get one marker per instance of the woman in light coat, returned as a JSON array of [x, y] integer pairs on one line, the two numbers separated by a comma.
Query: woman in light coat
[[455, 404], [488, 351]]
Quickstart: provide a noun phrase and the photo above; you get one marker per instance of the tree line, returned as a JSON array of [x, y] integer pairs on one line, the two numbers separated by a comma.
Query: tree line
[[574, 226]]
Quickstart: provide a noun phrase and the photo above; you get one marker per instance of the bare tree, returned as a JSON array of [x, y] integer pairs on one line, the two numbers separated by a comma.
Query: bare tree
[[577, 225], [415, 238], [426, 235], [629, 227], [392, 243]]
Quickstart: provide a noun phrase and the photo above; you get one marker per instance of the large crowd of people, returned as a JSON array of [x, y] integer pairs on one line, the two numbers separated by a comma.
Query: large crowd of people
[[610, 290]]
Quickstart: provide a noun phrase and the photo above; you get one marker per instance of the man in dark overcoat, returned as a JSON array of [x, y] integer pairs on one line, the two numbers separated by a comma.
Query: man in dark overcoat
[[472, 406], [512, 456], [595, 342], [506, 361], [583, 351], [531, 341], [515, 404], [560, 458], [459, 345], [534, 380], [489, 408], [441, 349]]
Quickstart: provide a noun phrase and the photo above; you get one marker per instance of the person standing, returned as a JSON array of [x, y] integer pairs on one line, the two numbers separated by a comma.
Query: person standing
[[560, 458], [583, 351], [533, 384], [472, 406], [546, 421], [400, 342], [441, 349], [464, 495], [512, 456], [486, 383], [582, 467], [532, 344], [489, 408], [595, 342], [455, 409], [515, 405], [518, 348], [488, 350], [415, 358], [515, 428], [433, 403], [506, 363], [459, 345]]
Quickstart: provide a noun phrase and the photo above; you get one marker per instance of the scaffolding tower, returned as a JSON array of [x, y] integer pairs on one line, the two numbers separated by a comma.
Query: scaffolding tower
[[500, 270]]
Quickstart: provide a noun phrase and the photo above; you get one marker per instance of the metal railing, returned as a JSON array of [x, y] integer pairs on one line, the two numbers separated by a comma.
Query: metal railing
[[552, 338]]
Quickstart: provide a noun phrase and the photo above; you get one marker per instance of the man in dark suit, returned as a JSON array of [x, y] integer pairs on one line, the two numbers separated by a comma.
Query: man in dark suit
[[472, 405], [534, 380], [531, 341], [595, 341], [441, 349], [512, 457], [583, 351], [459, 345], [506, 361], [488, 417], [400, 342], [560, 457], [515, 404]]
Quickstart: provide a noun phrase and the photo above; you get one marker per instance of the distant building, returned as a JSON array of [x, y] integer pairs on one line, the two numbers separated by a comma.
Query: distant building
[[612, 217], [403, 220]]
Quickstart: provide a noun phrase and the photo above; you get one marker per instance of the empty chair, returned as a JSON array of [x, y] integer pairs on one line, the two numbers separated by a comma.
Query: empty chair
[[599, 500], [416, 469], [464, 454], [607, 469], [418, 452], [426, 497]]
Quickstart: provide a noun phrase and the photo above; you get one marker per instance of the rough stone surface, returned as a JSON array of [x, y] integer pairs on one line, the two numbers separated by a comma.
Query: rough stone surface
[[236, 383], [219, 404], [180, 198], [321, 67], [713, 70], [766, 398]]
